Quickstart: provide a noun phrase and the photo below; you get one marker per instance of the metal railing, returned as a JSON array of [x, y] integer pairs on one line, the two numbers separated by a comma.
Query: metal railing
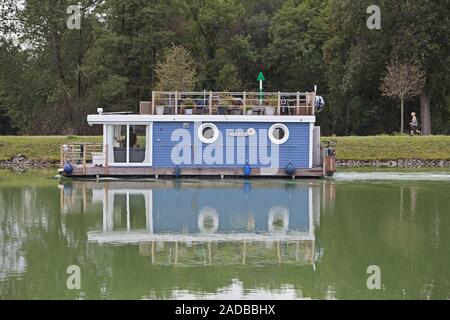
[[84, 155], [230, 103]]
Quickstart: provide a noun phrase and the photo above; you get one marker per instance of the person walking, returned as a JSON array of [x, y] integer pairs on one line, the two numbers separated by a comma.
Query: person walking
[[414, 124]]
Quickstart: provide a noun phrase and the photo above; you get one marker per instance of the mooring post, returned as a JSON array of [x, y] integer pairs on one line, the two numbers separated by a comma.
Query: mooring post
[[61, 159]]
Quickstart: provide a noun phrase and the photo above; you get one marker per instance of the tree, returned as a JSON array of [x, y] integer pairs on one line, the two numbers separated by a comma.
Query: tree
[[403, 80], [421, 34], [177, 72], [228, 79], [212, 25], [294, 53]]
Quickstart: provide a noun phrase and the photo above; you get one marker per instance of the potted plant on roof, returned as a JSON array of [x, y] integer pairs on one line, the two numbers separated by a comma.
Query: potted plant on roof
[[188, 106], [159, 106], [225, 103], [248, 110], [271, 105]]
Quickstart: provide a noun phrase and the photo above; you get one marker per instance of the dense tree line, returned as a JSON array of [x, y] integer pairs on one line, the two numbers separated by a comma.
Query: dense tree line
[[52, 76]]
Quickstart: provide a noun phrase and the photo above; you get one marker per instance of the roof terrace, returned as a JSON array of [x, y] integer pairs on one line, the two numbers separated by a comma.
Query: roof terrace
[[230, 103]]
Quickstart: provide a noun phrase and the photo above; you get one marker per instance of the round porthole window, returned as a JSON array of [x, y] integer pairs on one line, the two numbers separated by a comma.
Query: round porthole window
[[208, 133], [208, 220], [278, 133], [278, 219]]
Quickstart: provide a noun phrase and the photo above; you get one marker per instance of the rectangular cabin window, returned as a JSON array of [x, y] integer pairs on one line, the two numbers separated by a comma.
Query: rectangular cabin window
[[120, 144], [138, 142], [129, 211], [130, 144]]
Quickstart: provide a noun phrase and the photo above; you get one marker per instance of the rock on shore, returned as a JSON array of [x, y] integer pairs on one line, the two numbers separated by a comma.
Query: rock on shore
[[21, 161], [412, 163]]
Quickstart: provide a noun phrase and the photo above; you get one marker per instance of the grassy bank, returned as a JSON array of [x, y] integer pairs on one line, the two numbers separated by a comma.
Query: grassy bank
[[348, 148], [45, 148], [393, 148]]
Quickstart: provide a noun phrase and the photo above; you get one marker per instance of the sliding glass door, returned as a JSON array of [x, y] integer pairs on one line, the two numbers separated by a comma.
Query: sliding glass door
[[129, 144]]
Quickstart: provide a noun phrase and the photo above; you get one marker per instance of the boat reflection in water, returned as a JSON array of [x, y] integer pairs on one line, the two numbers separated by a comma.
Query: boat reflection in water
[[186, 223]]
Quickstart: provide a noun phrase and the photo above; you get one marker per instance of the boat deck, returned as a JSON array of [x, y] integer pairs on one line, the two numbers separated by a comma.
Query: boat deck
[[111, 171]]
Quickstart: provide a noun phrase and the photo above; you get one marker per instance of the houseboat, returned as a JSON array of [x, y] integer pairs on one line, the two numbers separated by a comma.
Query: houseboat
[[207, 134]]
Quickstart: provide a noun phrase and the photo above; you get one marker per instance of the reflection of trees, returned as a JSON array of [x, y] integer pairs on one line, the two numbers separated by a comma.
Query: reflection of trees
[[46, 242], [366, 227], [184, 254]]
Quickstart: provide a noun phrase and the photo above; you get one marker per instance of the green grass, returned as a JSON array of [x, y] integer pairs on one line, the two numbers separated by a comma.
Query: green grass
[[46, 148], [392, 148]]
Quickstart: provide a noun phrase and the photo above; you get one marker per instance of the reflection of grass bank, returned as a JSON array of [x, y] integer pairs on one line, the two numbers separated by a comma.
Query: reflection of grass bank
[[41, 177], [392, 148]]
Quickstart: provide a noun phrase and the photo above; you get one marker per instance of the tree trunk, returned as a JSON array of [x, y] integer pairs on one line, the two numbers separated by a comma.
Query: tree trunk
[[347, 129], [80, 57], [402, 116], [425, 114]]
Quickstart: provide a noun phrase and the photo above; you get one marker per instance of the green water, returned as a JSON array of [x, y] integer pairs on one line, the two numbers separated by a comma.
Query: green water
[[267, 239]]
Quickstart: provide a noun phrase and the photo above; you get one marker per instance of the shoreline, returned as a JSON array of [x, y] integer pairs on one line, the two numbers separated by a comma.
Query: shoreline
[[20, 162], [403, 164]]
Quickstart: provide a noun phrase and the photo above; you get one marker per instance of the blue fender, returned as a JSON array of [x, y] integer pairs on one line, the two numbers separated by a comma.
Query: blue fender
[[290, 169], [68, 168]]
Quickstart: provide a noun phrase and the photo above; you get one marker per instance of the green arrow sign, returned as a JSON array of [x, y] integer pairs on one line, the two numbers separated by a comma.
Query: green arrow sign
[[261, 77], [261, 91]]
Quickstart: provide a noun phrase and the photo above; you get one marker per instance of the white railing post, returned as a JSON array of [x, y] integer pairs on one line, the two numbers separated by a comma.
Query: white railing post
[[153, 102], [204, 100], [176, 102], [279, 103], [210, 103], [245, 103]]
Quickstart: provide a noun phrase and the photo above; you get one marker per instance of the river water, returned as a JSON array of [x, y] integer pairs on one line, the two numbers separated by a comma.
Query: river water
[[356, 236]]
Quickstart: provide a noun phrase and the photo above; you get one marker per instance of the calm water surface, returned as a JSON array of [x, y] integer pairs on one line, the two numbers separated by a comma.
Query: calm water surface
[[209, 239]]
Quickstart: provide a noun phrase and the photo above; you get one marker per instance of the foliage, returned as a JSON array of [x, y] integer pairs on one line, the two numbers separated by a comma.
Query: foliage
[[403, 80], [188, 104], [52, 77], [177, 72]]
